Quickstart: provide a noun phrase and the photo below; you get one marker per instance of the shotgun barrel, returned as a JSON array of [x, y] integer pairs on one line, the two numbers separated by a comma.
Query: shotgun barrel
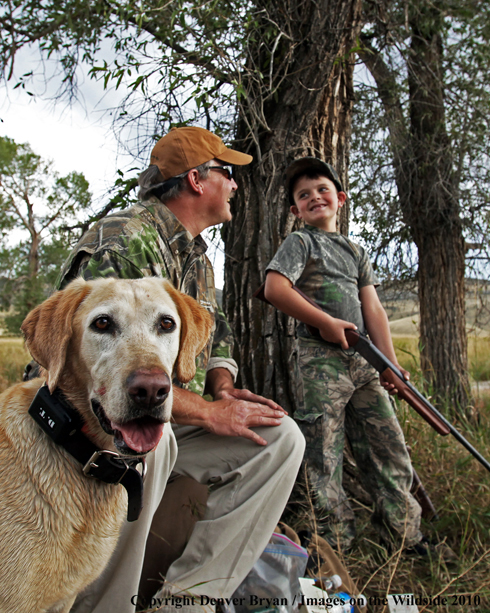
[[408, 392]]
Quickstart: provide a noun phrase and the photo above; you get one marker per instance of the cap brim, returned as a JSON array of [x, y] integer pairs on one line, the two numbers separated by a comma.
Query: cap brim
[[234, 157]]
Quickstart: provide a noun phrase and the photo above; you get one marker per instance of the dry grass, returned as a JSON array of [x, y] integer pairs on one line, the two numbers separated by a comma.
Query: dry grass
[[459, 487], [13, 359], [460, 490], [407, 351]]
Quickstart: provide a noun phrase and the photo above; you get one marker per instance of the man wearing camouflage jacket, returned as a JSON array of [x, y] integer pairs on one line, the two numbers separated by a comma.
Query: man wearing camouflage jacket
[[242, 446]]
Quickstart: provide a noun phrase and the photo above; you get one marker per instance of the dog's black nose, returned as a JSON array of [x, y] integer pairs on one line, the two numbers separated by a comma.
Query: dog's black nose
[[148, 388]]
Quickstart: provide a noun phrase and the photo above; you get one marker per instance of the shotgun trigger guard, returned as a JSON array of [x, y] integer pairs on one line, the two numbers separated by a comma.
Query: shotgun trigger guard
[[348, 352]]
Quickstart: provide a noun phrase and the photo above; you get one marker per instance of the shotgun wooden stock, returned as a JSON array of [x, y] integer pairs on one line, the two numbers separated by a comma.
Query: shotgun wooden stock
[[404, 392]]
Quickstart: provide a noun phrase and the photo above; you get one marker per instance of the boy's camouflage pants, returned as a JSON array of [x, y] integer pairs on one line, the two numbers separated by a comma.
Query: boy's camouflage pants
[[343, 397]]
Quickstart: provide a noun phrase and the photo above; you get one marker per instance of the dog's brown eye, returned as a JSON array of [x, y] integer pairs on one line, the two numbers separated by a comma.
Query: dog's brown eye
[[102, 324], [167, 324]]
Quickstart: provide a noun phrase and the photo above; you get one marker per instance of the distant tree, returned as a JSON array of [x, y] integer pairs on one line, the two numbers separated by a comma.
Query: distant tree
[[421, 174], [36, 204]]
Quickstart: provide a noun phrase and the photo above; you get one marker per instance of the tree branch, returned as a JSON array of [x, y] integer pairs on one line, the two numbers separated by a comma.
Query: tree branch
[[116, 202]]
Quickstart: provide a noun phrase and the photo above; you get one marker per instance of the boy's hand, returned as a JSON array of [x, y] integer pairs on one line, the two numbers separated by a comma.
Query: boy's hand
[[334, 331], [389, 387]]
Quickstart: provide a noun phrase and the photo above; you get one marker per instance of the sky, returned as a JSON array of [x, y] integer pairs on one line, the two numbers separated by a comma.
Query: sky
[[75, 137]]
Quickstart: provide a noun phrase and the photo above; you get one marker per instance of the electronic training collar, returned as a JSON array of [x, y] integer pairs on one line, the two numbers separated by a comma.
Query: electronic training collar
[[64, 425]]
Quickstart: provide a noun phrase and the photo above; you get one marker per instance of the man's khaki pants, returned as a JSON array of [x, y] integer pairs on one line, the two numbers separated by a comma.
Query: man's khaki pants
[[249, 486]]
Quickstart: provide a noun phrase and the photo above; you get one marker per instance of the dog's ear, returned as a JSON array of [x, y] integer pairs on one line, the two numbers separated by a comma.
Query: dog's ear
[[196, 325], [48, 328]]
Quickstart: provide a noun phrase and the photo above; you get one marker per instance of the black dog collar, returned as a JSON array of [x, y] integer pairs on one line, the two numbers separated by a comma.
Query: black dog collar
[[64, 425]]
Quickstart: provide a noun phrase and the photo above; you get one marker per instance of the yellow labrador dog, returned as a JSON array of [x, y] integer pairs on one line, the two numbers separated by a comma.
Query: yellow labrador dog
[[109, 348]]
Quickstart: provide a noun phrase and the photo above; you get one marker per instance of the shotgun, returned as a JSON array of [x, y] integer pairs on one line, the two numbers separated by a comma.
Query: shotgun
[[392, 374], [408, 392]]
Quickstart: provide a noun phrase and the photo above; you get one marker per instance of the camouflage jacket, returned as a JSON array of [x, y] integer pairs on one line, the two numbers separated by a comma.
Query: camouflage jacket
[[148, 240], [329, 268]]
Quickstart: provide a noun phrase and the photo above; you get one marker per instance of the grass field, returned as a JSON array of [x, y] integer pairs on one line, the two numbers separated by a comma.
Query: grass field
[[13, 358], [407, 351], [458, 486]]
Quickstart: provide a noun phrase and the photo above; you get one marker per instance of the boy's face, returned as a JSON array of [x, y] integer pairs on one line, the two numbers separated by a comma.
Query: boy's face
[[317, 202]]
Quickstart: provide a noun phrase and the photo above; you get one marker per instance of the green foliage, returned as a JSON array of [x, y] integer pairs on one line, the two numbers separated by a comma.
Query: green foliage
[[36, 206], [21, 292], [181, 61], [376, 212], [31, 293], [27, 181], [178, 59]]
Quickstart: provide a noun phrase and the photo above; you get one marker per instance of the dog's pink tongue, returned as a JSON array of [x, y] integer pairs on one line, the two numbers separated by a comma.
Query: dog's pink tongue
[[140, 435]]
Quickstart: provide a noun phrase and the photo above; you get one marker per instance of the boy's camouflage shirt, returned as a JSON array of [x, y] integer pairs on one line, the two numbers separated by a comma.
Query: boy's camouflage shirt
[[329, 268], [148, 240]]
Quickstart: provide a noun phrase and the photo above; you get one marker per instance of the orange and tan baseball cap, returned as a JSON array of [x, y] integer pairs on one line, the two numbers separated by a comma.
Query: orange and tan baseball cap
[[185, 148]]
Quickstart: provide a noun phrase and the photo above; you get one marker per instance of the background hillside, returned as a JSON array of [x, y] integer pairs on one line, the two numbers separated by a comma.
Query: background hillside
[[401, 304]]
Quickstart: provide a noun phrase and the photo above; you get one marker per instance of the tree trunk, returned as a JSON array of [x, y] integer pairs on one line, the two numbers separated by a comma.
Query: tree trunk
[[34, 254], [308, 115], [434, 217], [428, 196], [442, 320]]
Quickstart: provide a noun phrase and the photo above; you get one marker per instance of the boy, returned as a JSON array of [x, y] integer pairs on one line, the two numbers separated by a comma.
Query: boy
[[343, 394]]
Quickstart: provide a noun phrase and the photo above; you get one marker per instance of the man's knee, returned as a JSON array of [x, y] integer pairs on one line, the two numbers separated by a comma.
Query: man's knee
[[287, 440]]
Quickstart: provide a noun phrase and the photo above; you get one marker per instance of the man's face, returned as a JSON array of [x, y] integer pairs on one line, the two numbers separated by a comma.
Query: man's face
[[317, 202], [220, 187]]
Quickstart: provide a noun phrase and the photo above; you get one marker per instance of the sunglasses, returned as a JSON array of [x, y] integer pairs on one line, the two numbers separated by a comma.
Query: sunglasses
[[227, 170]]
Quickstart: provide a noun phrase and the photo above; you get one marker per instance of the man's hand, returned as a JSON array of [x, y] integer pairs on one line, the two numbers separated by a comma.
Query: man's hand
[[235, 411], [232, 412]]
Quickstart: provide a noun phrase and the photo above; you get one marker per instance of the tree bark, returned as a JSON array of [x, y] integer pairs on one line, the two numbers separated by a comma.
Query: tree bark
[[308, 115]]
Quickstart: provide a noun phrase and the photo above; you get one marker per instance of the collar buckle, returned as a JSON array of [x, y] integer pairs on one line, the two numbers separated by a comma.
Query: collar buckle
[[91, 463], [126, 461]]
